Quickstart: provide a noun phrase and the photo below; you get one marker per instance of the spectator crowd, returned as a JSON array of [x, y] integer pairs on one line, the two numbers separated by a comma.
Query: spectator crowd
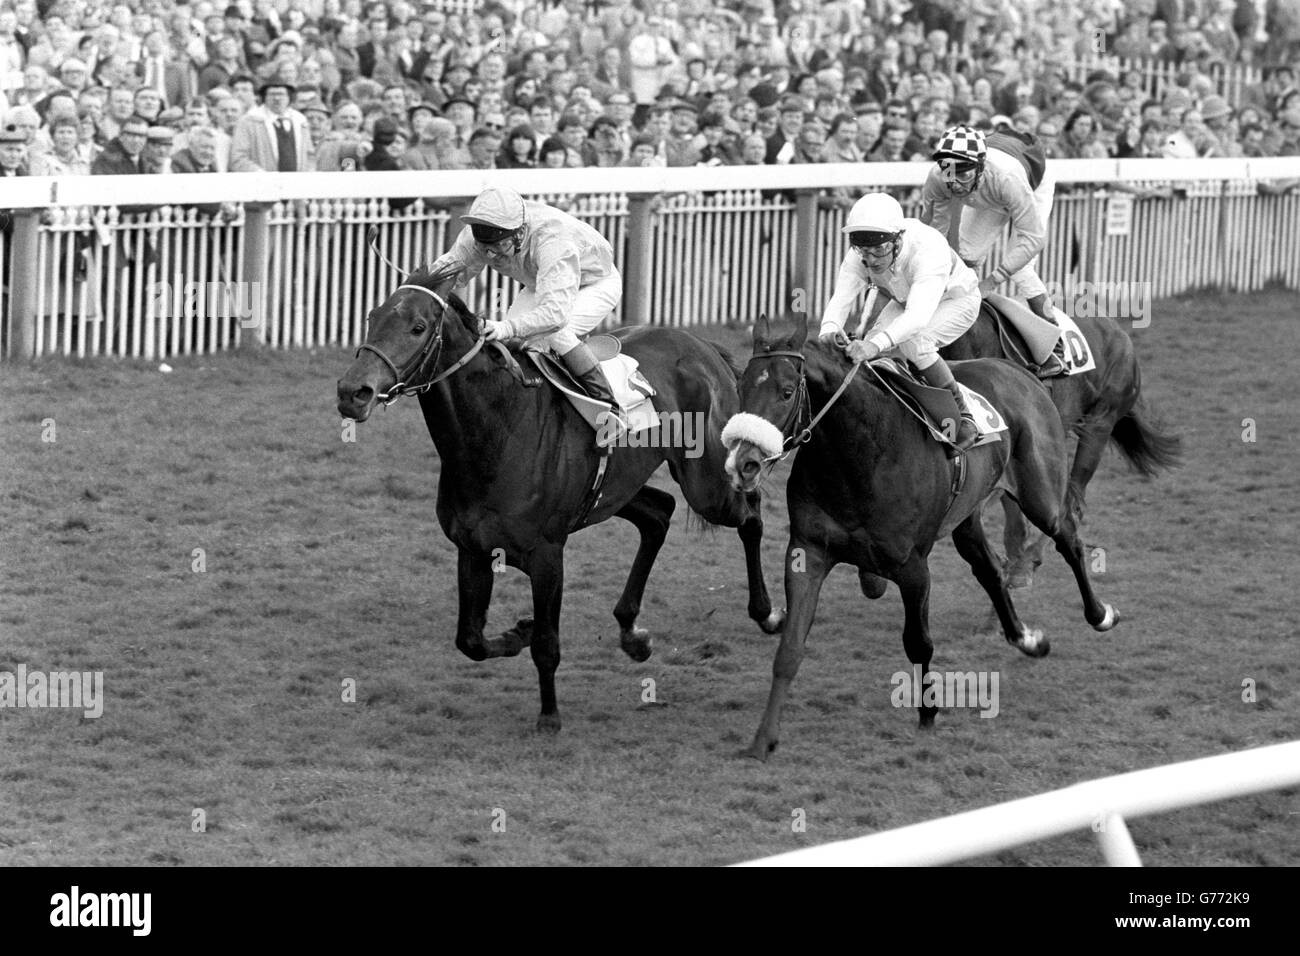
[[154, 86]]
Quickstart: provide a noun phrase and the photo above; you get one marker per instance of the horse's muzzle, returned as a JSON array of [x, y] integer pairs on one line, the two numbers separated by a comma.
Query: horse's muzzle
[[745, 466], [355, 400]]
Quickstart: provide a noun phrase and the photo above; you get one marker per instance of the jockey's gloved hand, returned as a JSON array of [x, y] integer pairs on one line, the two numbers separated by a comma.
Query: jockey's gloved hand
[[863, 350], [495, 330], [833, 337]]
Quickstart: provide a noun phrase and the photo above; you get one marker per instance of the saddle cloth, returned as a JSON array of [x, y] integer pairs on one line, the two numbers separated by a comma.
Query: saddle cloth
[[630, 387], [936, 407], [1035, 337]]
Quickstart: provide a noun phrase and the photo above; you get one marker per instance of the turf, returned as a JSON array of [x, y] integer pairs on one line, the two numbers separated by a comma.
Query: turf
[[210, 541]]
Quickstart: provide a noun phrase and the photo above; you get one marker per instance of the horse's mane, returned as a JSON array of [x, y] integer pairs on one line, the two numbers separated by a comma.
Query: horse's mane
[[430, 278]]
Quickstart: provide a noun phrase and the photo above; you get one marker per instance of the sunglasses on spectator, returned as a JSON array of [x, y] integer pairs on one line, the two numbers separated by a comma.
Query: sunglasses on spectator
[[901, 114]]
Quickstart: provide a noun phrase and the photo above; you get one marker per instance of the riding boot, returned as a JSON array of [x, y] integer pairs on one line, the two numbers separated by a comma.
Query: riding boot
[[582, 365], [1054, 364], [939, 375]]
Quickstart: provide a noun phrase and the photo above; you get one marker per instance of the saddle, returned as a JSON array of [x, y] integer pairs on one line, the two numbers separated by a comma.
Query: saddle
[[1029, 339], [936, 406], [631, 389]]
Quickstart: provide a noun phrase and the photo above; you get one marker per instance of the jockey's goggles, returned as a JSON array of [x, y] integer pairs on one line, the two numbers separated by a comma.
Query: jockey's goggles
[[870, 239], [956, 170], [489, 235]]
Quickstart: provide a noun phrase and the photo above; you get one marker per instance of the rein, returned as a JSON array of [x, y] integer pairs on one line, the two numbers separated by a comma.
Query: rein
[[428, 355], [803, 406]]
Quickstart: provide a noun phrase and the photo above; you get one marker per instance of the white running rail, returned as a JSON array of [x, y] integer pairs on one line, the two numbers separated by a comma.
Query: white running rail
[[1099, 805]]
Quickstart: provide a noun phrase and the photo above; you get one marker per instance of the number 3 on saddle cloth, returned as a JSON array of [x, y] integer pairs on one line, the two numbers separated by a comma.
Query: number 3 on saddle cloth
[[631, 390]]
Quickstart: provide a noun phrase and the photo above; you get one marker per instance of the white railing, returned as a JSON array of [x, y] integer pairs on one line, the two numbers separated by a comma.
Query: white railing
[[695, 245], [1099, 805]]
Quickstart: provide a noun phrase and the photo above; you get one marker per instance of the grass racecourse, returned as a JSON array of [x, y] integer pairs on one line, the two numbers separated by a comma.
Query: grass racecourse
[[210, 542]]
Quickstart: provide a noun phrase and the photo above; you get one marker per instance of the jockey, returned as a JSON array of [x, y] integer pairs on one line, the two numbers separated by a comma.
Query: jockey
[[567, 270], [997, 188], [935, 296]]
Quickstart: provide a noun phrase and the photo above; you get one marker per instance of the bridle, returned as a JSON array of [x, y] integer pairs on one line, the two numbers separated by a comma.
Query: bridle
[[425, 359], [802, 404]]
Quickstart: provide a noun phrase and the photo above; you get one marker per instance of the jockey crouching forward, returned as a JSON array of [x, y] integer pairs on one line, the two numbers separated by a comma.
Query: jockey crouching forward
[[567, 270], [935, 296], [996, 187]]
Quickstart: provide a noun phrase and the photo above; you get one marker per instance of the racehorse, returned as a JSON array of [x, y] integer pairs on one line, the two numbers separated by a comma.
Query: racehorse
[[870, 487], [519, 464], [1104, 404]]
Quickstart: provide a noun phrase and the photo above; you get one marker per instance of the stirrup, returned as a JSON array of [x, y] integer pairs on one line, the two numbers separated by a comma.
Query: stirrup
[[964, 445], [1052, 367]]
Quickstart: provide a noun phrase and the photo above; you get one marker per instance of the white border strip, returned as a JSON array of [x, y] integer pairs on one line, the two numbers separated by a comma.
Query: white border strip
[[49, 191], [1080, 807]]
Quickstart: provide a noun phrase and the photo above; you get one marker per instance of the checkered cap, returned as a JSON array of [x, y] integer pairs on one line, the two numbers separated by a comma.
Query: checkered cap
[[961, 142]]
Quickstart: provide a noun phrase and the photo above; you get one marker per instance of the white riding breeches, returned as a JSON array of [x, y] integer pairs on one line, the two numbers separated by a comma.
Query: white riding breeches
[[951, 319], [591, 306]]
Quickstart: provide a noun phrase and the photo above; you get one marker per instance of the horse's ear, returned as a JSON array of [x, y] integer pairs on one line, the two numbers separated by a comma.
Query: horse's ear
[[800, 333], [762, 334]]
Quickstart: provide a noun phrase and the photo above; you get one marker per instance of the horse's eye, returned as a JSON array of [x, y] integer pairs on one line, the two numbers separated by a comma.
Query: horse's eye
[[418, 328], [787, 392]]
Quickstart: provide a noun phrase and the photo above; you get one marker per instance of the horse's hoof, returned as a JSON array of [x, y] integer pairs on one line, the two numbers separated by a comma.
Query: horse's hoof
[[774, 623], [926, 717], [1033, 644], [759, 750], [1020, 578], [523, 629], [873, 586], [508, 644], [475, 652], [636, 644], [548, 724], [1110, 619]]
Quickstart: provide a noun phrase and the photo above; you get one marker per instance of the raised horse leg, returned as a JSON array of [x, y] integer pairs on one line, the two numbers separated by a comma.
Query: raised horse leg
[[546, 572], [650, 511], [474, 580], [973, 545], [1048, 513], [802, 589]]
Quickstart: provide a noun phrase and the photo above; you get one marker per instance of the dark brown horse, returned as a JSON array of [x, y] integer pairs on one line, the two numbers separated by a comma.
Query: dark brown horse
[[1099, 406], [871, 488], [518, 464]]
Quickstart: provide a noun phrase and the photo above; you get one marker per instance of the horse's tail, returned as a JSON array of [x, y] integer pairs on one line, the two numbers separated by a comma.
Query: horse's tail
[[1145, 442]]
